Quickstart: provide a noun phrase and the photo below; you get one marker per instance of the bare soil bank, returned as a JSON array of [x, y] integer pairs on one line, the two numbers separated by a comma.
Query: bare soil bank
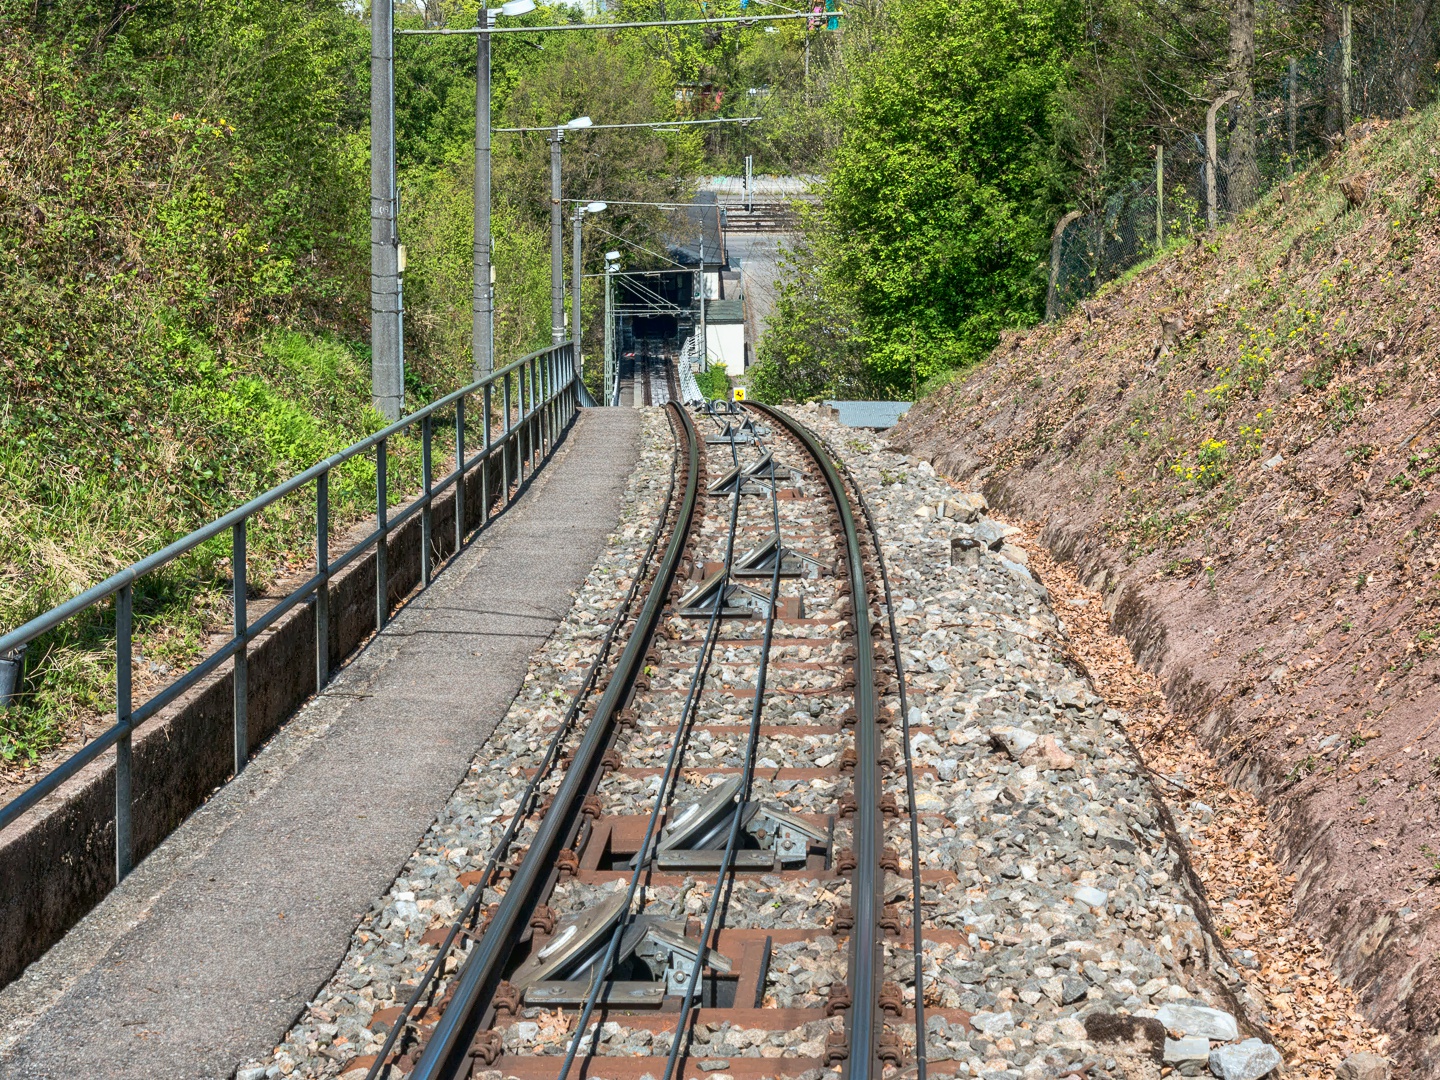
[[1240, 445]]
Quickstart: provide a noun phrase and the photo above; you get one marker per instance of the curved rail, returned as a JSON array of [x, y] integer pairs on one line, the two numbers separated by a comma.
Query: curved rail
[[863, 1022], [481, 971], [552, 753], [917, 913]]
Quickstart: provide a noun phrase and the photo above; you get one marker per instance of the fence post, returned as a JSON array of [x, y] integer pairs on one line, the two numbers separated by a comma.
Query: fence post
[[426, 522], [322, 588], [1290, 113], [124, 844], [460, 470], [382, 545], [241, 626], [1212, 158], [1052, 297], [1159, 197], [1345, 69]]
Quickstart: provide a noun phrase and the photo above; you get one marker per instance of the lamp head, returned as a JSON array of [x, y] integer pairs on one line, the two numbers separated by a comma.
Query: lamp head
[[518, 7], [612, 256], [579, 122], [595, 207]]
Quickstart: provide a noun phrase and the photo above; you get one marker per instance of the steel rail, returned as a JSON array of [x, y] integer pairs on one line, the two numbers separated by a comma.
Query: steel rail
[[917, 913], [482, 968], [862, 1021], [747, 778], [692, 701], [547, 762]]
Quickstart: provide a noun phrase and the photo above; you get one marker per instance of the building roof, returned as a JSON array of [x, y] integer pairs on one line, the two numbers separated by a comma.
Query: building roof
[[725, 311]]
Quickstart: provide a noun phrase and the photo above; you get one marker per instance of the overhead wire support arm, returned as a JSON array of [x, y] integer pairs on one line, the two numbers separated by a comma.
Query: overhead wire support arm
[[743, 20], [649, 124]]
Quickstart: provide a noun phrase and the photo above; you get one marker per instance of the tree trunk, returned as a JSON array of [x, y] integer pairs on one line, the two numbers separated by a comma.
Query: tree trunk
[[1243, 182]]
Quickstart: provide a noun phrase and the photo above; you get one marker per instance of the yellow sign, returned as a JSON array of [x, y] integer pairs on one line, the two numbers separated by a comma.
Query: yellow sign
[[739, 393]]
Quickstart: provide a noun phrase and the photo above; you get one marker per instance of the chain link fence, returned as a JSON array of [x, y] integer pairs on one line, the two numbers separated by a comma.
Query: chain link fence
[[1299, 118]]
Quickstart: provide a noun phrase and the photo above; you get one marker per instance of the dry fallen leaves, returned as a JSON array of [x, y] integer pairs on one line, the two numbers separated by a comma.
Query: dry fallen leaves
[[1314, 1018]]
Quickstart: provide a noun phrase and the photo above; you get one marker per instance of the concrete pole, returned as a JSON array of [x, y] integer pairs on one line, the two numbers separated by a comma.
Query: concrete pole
[[482, 302], [1345, 69], [1159, 197], [1212, 158], [557, 245], [1290, 111], [575, 292], [387, 375], [1057, 239]]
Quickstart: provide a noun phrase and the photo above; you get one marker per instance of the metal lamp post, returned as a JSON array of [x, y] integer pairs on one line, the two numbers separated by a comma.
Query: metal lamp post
[[557, 230], [483, 297], [575, 267]]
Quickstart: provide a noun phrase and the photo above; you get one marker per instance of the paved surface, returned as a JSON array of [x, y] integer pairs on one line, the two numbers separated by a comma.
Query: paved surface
[[209, 950]]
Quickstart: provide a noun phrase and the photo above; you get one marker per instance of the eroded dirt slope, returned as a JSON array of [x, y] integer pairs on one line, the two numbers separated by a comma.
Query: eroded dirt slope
[[1241, 446]]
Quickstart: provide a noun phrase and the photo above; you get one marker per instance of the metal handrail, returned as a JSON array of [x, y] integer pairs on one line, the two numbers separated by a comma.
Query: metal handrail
[[545, 382]]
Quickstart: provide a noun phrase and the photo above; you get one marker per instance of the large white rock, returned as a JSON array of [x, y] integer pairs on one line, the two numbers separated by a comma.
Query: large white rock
[[1189, 1055], [1199, 1020], [1249, 1060]]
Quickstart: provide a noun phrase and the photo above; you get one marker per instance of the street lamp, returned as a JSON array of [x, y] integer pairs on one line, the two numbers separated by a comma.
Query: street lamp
[[483, 297], [580, 212], [557, 229]]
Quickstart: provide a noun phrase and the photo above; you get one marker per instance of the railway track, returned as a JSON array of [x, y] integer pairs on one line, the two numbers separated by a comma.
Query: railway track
[[697, 876]]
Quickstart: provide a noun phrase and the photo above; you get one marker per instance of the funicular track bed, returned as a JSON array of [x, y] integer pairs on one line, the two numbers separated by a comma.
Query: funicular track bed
[[647, 806], [762, 812]]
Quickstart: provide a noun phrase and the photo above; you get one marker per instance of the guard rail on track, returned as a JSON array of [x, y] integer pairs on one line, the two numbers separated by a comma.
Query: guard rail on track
[[537, 398]]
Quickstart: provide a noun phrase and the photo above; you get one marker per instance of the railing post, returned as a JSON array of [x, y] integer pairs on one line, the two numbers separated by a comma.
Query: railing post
[[382, 546], [241, 629], [322, 588], [505, 446], [489, 399], [460, 475], [425, 521], [124, 842]]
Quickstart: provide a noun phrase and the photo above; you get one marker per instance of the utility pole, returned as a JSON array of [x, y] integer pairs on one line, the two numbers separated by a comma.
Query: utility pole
[[387, 374], [609, 379], [483, 298], [575, 294], [557, 244]]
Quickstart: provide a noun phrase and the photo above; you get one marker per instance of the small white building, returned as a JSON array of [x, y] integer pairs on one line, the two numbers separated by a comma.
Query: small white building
[[725, 335]]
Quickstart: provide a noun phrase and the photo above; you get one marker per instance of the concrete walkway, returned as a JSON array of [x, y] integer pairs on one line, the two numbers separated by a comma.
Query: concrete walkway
[[206, 954]]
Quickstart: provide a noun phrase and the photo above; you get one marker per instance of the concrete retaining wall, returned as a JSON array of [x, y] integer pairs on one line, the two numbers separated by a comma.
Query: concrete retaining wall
[[58, 861]]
